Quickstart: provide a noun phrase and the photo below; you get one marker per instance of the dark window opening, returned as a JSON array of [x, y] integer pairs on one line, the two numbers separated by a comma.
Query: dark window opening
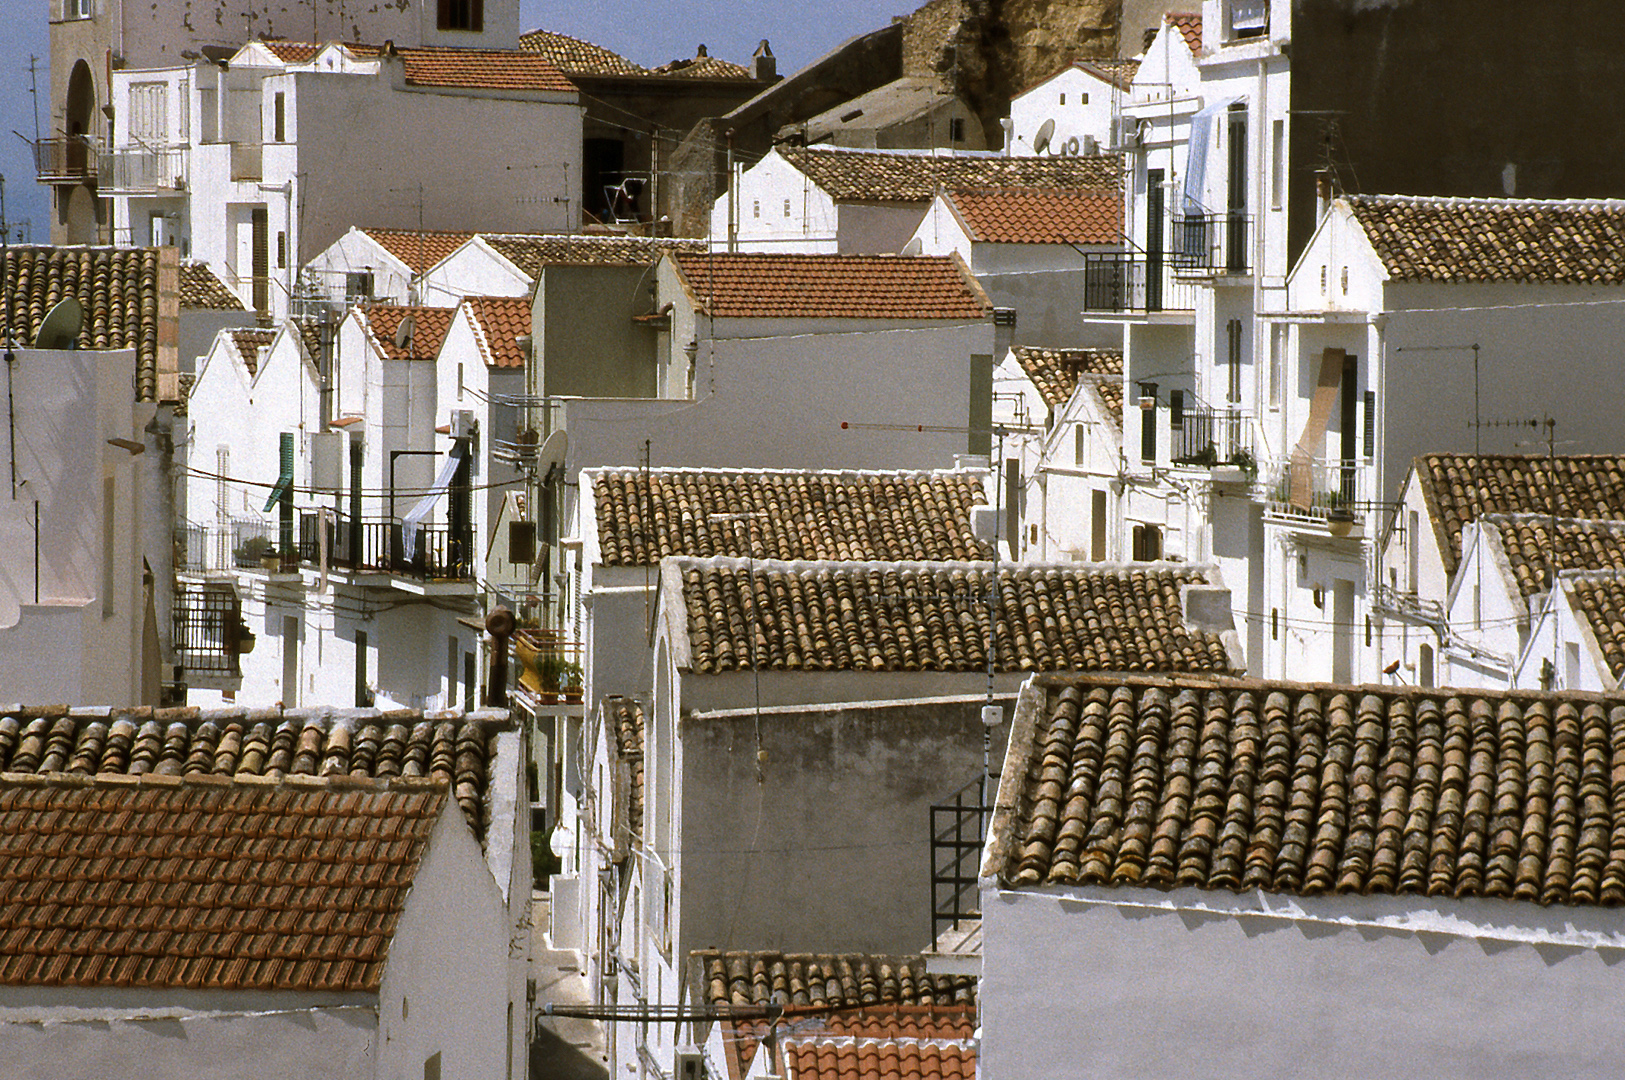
[[279, 113], [461, 15], [1147, 543]]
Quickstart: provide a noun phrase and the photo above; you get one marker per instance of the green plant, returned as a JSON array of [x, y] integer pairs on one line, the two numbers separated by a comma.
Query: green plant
[[1243, 460], [254, 549], [555, 673]]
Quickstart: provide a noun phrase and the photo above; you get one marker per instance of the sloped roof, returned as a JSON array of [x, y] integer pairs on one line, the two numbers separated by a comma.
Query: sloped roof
[[1055, 372], [889, 1043], [576, 57], [1560, 241], [1118, 71], [431, 325], [643, 518], [898, 176], [456, 68], [165, 883], [1176, 781], [532, 252], [1458, 487], [783, 286], [627, 717], [896, 616], [1189, 24], [703, 66], [200, 288], [1535, 549], [117, 287], [1041, 215], [420, 249], [1600, 598], [241, 743], [248, 344], [1110, 392], [498, 322]]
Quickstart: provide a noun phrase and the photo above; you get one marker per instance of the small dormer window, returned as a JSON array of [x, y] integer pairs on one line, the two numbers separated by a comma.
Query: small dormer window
[[1249, 18], [461, 15]]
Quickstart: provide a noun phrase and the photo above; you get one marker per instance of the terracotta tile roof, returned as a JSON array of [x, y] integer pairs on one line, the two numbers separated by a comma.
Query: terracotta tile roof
[[176, 884], [627, 714], [1055, 371], [303, 52], [1568, 241], [419, 250], [117, 287], [200, 288], [382, 320], [498, 322], [576, 57], [1457, 487], [880, 176], [801, 515], [532, 252], [248, 344], [1110, 393], [704, 67], [484, 69], [1190, 25], [1120, 72], [933, 617], [1179, 781], [1601, 599], [1040, 215], [310, 336], [445, 746], [899, 1043], [780, 286], [1534, 549], [815, 983]]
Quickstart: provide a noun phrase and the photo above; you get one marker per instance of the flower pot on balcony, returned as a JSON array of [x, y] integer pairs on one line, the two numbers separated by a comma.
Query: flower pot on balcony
[[271, 562]]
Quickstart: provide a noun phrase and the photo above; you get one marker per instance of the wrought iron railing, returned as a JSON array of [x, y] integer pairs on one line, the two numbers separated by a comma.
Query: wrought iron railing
[[71, 159], [1208, 436], [440, 553], [958, 830], [208, 630], [1318, 489], [1211, 243], [137, 169], [1133, 283]]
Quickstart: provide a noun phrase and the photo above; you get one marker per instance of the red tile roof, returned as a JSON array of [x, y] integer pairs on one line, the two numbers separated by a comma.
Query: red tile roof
[[200, 288], [532, 251], [248, 344], [1190, 25], [1055, 372], [777, 286], [421, 249], [429, 333], [898, 1043], [470, 69], [498, 322], [902, 176], [1601, 599], [704, 67], [1041, 215], [576, 57], [163, 883]]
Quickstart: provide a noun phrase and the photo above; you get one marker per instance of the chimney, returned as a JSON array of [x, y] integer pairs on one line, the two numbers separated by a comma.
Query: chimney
[[1009, 127], [1323, 193], [1004, 332], [701, 54], [763, 68]]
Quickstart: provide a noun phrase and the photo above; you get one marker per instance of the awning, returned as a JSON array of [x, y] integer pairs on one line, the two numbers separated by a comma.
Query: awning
[[413, 521], [1197, 146], [284, 481]]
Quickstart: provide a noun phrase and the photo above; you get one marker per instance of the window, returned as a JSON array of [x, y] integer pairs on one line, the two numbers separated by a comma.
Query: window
[[1080, 438], [1277, 334], [461, 15], [1571, 665], [1097, 525], [1063, 98], [1233, 365], [358, 286], [756, 208], [185, 111], [1148, 421], [1147, 543], [1278, 162], [149, 113], [1083, 98], [279, 111], [453, 655], [1249, 18], [282, 251], [956, 130], [786, 207], [431, 1064], [363, 694], [1424, 665], [76, 9]]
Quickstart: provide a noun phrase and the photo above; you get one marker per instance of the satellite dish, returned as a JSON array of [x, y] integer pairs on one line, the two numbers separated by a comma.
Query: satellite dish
[[553, 450], [404, 333], [913, 247], [60, 327], [1046, 132]]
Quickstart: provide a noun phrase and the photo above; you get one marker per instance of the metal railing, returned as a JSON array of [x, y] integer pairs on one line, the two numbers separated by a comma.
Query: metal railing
[[72, 158], [1134, 282], [208, 630], [1316, 489], [378, 544], [1211, 243], [1208, 436], [958, 829], [138, 169]]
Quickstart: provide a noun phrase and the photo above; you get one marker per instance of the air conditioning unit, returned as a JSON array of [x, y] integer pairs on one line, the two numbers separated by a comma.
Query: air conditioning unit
[[1126, 132], [463, 424]]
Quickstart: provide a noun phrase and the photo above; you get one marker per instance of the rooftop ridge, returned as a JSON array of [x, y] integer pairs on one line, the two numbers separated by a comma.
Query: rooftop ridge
[[1492, 201], [735, 470], [735, 562]]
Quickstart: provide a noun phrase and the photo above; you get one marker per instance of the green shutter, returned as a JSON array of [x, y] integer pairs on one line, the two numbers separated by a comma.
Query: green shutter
[[284, 481]]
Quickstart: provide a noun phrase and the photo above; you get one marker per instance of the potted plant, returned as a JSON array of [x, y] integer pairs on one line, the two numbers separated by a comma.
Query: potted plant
[[257, 550], [570, 682]]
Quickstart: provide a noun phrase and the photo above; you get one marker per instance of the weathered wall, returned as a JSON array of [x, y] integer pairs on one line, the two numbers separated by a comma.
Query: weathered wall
[[582, 321], [1455, 97]]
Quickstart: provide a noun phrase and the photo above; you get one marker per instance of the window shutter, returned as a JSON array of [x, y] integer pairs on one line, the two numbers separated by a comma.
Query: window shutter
[[1371, 423], [443, 16], [476, 14]]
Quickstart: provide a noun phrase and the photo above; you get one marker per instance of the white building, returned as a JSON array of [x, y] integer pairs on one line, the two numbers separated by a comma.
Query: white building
[[806, 199], [384, 266], [250, 163], [1072, 111], [1307, 907]]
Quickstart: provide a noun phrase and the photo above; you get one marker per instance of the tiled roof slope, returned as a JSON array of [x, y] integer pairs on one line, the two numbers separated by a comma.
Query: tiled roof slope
[[468, 69], [627, 715], [531, 253], [248, 344], [1110, 392], [704, 67], [431, 325], [1189, 24], [901, 1043], [419, 250], [117, 287], [498, 322], [239, 743], [1120, 72], [880, 176], [1566, 241], [780, 286], [1601, 599], [933, 617], [576, 57], [797, 515], [172, 884], [1175, 781], [1457, 487], [1041, 215], [200, 288], [1055, 371], [1534, 549]]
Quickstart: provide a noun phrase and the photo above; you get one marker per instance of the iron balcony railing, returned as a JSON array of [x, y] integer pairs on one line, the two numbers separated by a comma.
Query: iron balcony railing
[[71, 159], [143, 169], [378, 544], [1318, 489], [1134, 282], [958, 829], [1211, 243], [239, 544], [1207, 436], [208, 630]]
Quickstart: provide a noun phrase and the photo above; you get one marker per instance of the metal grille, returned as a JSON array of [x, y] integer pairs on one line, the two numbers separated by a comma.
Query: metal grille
[[207, 626], [958, 829]]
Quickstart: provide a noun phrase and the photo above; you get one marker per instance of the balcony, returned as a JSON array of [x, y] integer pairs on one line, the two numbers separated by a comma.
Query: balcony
[[1215, 439], [70, 160], [1319, 492], [143, 170], [210, 635], [378, 545], [1210, 244], [1134, 283]]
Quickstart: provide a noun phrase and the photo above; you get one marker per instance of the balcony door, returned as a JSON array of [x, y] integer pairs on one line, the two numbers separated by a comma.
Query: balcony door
[[1153, 239], [1235, 243]]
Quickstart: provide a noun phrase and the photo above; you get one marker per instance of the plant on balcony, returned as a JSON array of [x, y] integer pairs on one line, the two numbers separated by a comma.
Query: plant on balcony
[[1243, 459]]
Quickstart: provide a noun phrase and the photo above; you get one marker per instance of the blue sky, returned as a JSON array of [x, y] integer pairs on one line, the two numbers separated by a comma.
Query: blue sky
[[645, 33]]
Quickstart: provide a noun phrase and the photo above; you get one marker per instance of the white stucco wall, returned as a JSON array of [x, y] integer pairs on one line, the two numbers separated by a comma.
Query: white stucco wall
[[357, 253], [1138, 983], [474, 269], [776, 207], [1080, 104]]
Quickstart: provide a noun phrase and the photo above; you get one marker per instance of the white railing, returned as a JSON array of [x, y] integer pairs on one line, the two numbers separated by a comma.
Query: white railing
[[143, 169]]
